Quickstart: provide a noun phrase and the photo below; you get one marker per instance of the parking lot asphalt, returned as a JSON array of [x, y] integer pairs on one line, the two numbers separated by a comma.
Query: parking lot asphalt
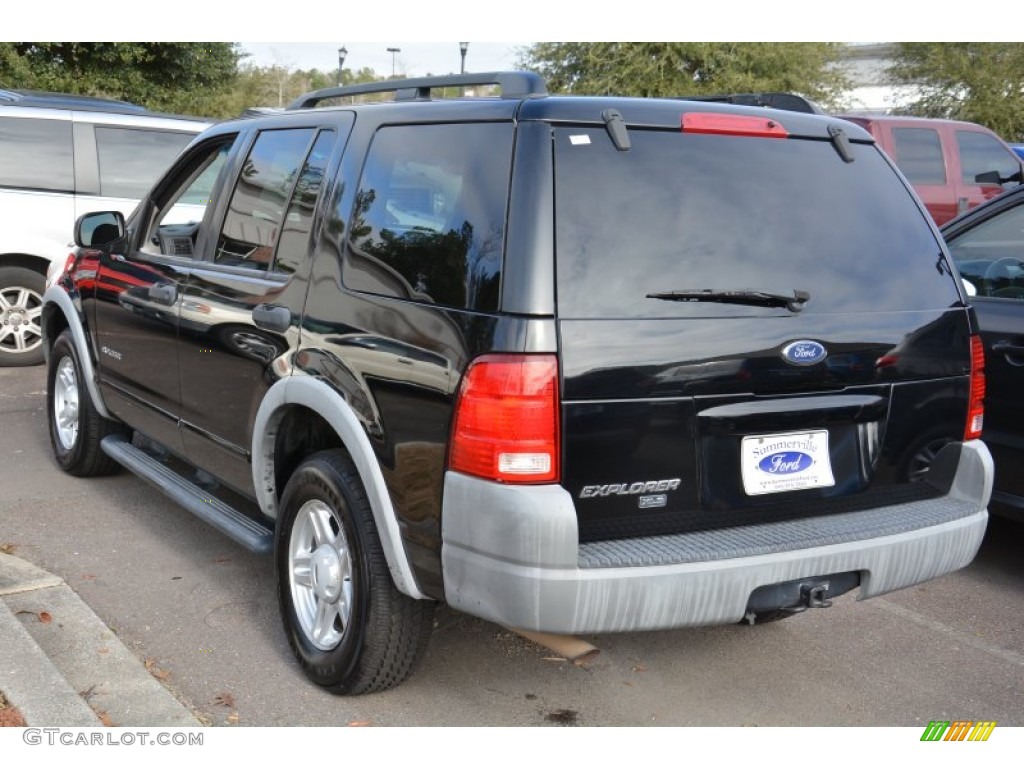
[[199, 615]]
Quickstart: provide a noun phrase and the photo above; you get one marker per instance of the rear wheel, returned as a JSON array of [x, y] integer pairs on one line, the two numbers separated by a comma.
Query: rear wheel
[[21, 309], [76, 427], [352, 631]]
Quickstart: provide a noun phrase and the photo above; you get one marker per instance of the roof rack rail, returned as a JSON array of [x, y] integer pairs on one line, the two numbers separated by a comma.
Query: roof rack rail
[[514, 85], [29, 98], [774, 99]]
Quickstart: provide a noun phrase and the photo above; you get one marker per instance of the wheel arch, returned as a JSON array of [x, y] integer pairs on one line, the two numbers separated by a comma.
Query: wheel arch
[[270, 469], [59, 313], [39, 264]]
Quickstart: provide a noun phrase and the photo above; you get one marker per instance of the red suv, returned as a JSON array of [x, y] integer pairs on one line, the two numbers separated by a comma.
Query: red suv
[[952, 165]]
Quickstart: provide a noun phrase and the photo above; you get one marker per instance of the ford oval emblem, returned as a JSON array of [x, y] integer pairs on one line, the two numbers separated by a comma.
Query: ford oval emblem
[[785, 462], [804, 352]]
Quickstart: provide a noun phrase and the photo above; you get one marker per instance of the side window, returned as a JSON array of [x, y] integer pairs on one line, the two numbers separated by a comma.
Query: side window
[[256, 212], [175, 217], [990, 255], [298, 221], [918, 153], [981, 154], [36, 154], [132, 159], [429, 214]]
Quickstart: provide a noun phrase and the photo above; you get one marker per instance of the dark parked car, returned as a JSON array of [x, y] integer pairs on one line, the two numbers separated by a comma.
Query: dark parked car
[[987, 245], [568, 364]]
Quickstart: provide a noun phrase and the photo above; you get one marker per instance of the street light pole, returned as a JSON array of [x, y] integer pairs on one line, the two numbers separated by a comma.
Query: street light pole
[[342, 53], [463, 47], [393, 51]]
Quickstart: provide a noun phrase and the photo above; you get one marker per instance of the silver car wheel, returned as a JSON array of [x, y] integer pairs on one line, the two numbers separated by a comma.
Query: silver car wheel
[[20, 312], [320, 574], [65, 403]]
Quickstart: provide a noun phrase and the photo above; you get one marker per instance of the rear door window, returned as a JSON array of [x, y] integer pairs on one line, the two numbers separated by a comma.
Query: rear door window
[[684, 212], [132, 159], [298, 220], [918, 153], [256, 212]]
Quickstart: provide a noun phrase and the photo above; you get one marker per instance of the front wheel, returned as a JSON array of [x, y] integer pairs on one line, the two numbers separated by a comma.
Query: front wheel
[[76, 427], [352, 631]]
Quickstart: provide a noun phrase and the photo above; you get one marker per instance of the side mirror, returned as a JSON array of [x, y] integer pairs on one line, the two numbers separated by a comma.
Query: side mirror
[[993, 177], [95, 230]]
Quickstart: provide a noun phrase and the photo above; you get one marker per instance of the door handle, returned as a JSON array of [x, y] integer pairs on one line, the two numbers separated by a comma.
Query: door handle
[[1014, 353], [164, 293], [271, 317]]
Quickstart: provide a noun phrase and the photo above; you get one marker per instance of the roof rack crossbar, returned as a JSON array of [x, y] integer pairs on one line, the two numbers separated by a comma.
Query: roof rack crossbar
[[514, 85]]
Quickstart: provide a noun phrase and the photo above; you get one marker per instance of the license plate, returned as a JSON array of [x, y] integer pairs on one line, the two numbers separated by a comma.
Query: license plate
[[787, 462]]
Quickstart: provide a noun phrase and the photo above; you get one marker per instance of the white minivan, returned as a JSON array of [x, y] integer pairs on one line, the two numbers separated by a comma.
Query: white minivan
[[62, 156]]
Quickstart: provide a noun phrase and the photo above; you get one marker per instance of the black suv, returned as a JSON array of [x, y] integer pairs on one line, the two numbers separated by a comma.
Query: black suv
[[572, 365]]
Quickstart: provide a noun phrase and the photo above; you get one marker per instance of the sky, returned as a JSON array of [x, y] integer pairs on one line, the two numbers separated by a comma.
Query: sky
[[413, 59], [317, 28]]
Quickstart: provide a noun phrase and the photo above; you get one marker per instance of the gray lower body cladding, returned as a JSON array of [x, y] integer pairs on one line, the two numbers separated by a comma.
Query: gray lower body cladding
[[511, 555]]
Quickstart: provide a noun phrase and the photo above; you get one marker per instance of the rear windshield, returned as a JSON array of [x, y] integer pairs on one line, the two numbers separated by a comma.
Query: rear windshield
[[684, 212]]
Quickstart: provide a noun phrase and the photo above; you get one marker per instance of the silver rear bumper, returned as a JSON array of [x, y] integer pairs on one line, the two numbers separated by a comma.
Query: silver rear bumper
[[511, 555]]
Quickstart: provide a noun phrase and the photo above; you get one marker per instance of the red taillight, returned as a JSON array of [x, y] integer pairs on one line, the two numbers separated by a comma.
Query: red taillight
[[506, 419], [976, 405], [732, 125]]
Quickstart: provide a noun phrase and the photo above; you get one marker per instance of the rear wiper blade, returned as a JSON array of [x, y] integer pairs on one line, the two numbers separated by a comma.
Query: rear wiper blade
[[793, 303]]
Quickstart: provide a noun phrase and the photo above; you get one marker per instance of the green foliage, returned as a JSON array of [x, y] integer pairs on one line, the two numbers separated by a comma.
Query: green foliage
[[979, 82], [170, 77], [689, 69], [188, 78], [278, 86]]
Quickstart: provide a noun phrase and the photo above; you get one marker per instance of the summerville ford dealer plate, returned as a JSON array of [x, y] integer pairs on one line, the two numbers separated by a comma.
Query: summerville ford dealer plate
[[787, 462]]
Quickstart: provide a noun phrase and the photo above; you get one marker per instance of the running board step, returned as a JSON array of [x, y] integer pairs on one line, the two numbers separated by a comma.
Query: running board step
[[226, 519]]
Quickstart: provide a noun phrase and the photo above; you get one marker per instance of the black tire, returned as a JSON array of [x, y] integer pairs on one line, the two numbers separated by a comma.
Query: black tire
[[76, 427], [21, 301], [322, 575]]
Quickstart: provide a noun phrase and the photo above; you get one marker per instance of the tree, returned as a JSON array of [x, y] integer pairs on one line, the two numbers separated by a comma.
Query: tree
[[278, 86], [689, 69], [173, 77], [979, 82]]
